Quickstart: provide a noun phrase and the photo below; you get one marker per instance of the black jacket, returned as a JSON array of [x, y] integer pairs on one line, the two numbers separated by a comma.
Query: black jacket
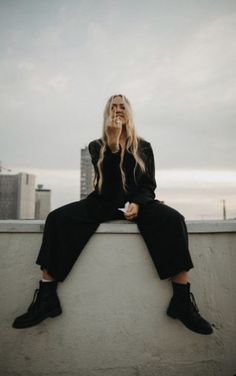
[[139, 190]]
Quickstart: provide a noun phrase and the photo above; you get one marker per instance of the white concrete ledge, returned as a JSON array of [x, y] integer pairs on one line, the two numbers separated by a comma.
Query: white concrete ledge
[[114, 320], [121, 227]]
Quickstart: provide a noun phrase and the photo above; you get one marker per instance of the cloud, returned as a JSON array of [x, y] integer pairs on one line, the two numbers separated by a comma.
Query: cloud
[[176, 64]]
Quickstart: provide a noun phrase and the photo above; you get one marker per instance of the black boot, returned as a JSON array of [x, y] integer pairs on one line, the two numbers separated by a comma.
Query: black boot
[[183, 307], [45, 304]]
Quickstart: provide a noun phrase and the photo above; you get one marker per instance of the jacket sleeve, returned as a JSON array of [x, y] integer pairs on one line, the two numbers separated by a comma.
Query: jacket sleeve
[[146, 185]]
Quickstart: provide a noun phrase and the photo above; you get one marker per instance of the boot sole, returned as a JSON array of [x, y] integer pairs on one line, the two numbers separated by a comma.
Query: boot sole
[[53, 313]]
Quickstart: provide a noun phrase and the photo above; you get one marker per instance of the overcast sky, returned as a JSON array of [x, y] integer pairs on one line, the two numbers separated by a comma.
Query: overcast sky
[[175, 61]]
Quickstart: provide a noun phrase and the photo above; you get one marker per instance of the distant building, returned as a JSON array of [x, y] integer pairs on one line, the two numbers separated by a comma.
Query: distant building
[[42, 202], [20, 200], [8, 196], [87, 173], [17, 196]]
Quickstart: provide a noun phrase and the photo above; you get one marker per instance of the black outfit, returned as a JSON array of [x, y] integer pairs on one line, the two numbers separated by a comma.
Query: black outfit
[[68, 228]]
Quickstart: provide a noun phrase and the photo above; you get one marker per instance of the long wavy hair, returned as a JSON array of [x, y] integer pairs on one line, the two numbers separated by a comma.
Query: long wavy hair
[[131, 142]]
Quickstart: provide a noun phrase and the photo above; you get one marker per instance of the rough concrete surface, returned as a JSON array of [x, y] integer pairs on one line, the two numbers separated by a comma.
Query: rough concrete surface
[[114, 321]]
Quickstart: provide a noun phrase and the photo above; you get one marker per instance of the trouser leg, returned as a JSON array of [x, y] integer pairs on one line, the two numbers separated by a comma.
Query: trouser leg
[[165, 233], [67, 230]]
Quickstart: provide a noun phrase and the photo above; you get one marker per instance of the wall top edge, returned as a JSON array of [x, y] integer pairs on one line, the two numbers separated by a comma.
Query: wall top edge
[[120, 226]]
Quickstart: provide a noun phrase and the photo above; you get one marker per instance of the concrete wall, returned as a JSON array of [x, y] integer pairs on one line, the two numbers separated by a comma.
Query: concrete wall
[[114, 321]]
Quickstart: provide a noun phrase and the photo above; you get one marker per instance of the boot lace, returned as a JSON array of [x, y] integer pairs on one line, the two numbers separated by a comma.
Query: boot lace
[[193, 301], [36, 292]]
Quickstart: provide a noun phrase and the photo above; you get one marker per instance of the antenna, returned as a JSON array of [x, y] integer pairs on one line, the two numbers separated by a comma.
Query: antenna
[[224, 210]]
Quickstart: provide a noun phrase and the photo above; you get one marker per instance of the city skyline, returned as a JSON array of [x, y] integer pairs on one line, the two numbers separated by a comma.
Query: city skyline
[[60, 61], [205, 187]]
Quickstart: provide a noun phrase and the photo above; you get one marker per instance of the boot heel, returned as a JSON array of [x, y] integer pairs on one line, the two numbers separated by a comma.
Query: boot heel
[[56, 312], [172, 315]]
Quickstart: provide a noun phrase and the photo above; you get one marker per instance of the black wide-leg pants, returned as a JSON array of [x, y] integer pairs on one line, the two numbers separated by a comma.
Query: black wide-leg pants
[[69, 227]]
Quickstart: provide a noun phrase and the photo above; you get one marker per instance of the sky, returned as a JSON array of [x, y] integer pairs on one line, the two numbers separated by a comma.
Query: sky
[[60, 61]]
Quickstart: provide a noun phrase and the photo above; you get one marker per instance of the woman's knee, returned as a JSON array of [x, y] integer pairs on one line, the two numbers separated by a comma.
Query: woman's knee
[[53, 213], [65, 209], [175, 215], [160, 212]]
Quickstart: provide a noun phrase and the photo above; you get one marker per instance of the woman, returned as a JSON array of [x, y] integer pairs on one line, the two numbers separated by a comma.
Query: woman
[[124, 173]]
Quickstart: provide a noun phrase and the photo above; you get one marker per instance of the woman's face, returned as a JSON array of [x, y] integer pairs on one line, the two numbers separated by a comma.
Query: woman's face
[[118, 109]]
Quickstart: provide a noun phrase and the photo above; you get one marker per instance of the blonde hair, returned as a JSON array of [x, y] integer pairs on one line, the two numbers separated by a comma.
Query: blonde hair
[[131, 142]]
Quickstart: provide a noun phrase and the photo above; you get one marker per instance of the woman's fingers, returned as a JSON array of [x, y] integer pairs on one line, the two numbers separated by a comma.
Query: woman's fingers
[[132, 211], [129, 218], [114, 114], [131, 214], [132, 208]]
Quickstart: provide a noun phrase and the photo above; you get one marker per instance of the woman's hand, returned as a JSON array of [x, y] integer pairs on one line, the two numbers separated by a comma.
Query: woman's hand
[[113, 130], [132, 211]]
